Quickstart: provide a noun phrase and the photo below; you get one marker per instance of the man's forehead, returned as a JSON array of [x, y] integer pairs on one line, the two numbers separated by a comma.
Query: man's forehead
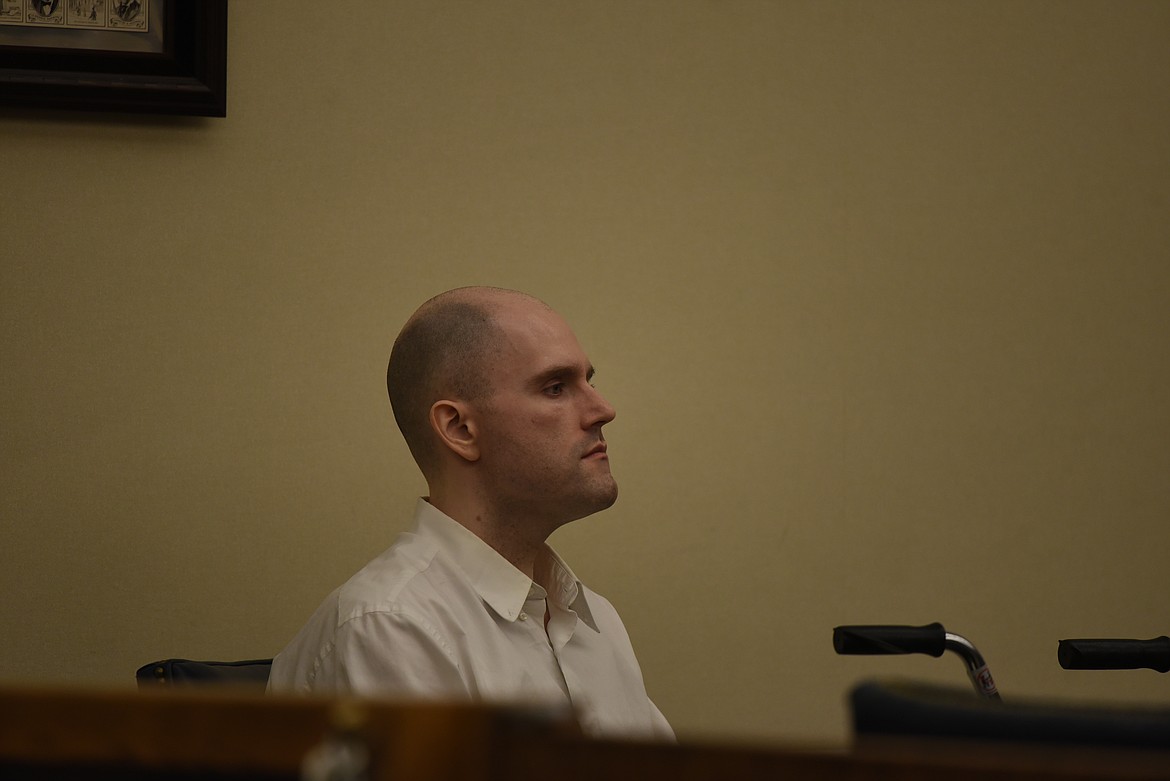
[[544, 348], [525, 324]]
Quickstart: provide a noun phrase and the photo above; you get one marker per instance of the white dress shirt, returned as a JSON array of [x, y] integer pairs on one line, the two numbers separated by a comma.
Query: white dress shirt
[[441, 615]]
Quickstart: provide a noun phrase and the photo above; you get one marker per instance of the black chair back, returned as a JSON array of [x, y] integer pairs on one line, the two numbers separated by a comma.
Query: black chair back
[[251, 674]]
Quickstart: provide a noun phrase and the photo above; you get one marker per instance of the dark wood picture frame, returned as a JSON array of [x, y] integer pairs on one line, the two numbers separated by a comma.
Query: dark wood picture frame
[[189, 75]]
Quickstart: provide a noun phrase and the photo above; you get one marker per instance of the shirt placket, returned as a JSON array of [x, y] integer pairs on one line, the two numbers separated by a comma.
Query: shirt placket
[[532, 616]]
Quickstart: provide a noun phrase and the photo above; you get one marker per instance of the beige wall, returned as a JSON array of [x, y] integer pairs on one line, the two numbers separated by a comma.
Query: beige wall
[[880, 291]]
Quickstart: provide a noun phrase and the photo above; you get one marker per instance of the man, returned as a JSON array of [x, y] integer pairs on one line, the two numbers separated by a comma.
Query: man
[[493, 395]]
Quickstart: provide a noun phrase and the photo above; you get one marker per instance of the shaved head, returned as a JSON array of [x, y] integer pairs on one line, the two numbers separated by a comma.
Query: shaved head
[[443, 352]]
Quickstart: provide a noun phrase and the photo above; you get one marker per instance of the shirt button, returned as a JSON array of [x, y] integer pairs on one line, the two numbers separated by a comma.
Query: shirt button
[[523, 616]]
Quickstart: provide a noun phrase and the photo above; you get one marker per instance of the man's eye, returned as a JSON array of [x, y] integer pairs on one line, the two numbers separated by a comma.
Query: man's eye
[[556, 389]]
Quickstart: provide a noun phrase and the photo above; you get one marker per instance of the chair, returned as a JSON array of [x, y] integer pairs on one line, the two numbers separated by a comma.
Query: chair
[[910, 709], [250, 674]]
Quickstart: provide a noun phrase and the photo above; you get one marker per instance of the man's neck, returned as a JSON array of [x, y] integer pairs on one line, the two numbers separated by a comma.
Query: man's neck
[[512, 538]]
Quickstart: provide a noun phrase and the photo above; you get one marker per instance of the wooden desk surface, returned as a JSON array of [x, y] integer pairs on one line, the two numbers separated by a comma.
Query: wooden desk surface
[[72, 734]]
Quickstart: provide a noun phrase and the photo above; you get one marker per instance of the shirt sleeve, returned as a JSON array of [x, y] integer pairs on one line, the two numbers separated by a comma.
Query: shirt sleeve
[[660, 728], [395, 654]]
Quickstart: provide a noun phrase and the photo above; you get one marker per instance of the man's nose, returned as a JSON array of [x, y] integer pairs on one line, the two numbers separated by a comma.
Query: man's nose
[[600, 411]]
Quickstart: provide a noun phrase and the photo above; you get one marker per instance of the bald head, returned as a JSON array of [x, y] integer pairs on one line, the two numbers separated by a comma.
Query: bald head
[[443, 352]]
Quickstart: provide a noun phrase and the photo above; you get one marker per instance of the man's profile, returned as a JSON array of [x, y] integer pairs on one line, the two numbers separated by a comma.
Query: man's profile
[[493, 395]]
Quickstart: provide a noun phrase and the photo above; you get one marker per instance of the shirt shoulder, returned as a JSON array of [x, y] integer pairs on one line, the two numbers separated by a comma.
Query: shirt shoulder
[[411, 576], [400, 593]]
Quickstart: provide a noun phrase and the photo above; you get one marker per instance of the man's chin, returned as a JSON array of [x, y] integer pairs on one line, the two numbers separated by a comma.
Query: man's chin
[[607, 497], [601, 498]]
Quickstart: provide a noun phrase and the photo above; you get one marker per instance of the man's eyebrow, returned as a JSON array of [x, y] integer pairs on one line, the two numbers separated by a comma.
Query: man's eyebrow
[[565, 370]]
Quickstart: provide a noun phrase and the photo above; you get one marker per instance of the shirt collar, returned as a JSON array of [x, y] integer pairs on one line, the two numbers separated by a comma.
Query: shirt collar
[[564, 588], [503, 587]]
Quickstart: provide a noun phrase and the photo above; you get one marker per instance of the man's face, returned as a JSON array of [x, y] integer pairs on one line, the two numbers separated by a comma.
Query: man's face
[[542, 450]]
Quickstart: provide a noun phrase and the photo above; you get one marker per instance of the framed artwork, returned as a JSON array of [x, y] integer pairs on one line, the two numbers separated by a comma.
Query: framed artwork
[[144, 56]]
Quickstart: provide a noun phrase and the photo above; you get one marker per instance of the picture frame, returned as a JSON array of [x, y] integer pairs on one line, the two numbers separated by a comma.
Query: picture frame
[[180, 68]]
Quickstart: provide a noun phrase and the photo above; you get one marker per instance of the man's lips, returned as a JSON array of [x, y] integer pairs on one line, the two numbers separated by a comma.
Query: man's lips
[[597, 451]]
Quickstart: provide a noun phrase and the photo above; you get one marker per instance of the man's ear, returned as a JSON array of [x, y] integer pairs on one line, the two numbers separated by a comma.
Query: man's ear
[[457, 431]]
